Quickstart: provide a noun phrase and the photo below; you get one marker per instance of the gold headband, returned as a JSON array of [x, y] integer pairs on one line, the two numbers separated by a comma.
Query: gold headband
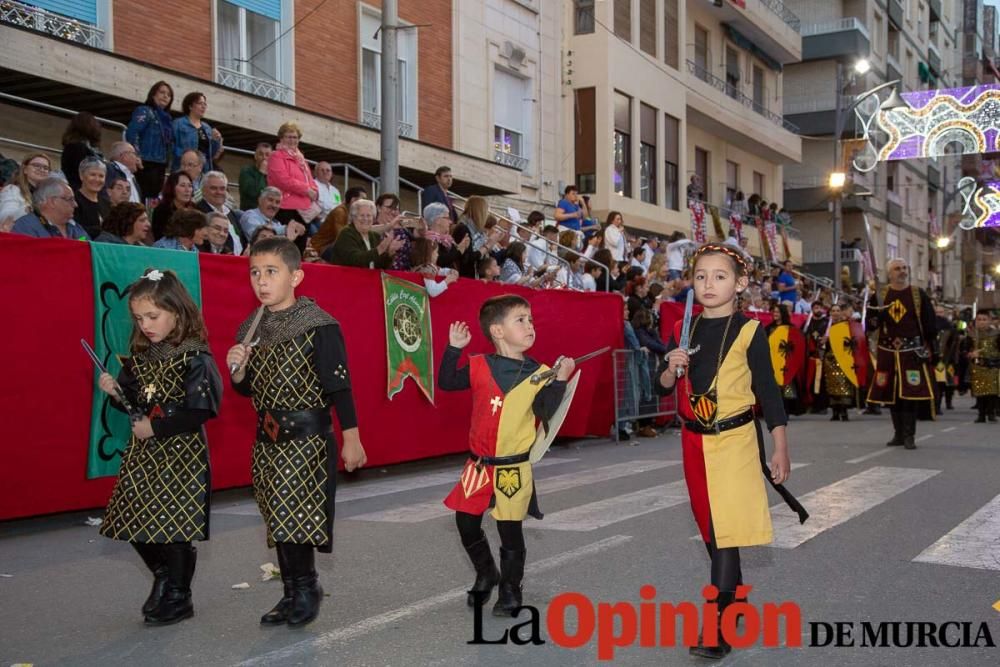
[[736, 255]]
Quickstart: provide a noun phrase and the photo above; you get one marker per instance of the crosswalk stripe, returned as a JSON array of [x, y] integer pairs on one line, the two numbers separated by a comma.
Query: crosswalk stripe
[[433, 509], [973, 543], [866, 457], [381, 487], [601, 513], [841, 501]]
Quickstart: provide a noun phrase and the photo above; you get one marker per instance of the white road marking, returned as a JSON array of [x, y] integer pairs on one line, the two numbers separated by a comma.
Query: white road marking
[[924, 437], [379, 487], [601, 513], [329, 640], [973, 543], [866, 457], [950, 428], [842, 501], [435, 508]]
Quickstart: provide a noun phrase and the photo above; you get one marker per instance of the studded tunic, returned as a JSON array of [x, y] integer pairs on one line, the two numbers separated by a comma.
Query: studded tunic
[[985, 369], [293, 376], [163, 487], [906, 328]]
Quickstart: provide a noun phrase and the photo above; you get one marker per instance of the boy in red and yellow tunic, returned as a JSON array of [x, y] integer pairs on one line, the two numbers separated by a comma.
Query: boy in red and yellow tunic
[[505, 404]]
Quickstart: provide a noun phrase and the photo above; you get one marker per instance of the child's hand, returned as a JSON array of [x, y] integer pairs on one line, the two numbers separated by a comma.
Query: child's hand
[[459, 335], [238, 355], [781, 467], [107, 384], [143, 429], [353, 452], [566, 368], [677, 359]]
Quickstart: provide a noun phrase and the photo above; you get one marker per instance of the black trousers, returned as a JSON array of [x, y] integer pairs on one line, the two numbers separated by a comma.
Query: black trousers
[[470, 529]]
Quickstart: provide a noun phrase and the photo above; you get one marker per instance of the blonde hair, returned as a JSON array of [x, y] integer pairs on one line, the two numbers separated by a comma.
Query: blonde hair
[[477, 209], [21, 178], [287, 127]]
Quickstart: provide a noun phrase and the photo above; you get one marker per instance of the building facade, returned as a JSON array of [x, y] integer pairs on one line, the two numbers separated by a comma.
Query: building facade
[[656, 91]]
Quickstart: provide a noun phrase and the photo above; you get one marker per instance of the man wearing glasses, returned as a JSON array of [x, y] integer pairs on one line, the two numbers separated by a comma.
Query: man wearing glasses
[[55, 202]]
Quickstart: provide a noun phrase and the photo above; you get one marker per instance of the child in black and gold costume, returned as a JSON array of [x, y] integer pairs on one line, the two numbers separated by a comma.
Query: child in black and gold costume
[[294, 370], [160, 502], [984, 368]]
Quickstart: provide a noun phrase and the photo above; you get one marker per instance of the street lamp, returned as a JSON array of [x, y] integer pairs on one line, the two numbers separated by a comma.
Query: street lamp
[[837, 180], [892, 102], [943, 242]]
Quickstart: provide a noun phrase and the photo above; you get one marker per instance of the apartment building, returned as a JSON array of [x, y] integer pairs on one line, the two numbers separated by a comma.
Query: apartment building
[[914, 41], [263, 62], [659, 90]]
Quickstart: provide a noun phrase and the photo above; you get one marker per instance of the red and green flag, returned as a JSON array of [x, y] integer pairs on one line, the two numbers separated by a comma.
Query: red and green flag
[[115, 267], [408, 335]]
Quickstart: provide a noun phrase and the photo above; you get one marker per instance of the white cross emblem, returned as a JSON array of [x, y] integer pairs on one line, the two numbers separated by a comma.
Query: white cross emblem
[[150, 390], [496, 403]]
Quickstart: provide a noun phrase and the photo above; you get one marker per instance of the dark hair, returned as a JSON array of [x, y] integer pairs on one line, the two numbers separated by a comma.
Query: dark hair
[[603, 255], [483, 264], [642, 318], [260, 230], [150, 102], [170, 186], [786, 318], [676, 236], [121, 218], [441, 170], [351, 194], [638, 251], [189, 101], [611, 218], [184, 222], [739, 261], [169, 294], [384, 197], [83, 127], [535, 217], [549, 229], [422, 251], [515, 252], [569, 189], [496, 308], [286, 250]]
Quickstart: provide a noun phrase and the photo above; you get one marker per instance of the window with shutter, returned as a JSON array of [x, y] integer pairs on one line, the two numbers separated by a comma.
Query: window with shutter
[[622, 145], [671, 43], [671, 153], [623, 19], [647, 26], [647, 153], [585, 139], [511, 118]]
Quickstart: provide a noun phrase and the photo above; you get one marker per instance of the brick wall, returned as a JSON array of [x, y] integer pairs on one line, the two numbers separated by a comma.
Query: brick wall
[[176, 34]]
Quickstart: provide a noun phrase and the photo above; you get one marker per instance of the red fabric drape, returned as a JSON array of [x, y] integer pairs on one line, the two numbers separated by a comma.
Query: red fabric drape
[[46, 394]]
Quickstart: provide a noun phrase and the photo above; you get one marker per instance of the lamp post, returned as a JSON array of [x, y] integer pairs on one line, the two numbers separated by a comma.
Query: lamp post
[[839, 178]]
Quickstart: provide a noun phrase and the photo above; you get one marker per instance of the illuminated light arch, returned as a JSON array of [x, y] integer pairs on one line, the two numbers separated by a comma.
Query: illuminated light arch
[[966, 134]]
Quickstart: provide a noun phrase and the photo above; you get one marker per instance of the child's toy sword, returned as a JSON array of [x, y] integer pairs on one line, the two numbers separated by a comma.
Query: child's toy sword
[[685, 341], [119, 394]]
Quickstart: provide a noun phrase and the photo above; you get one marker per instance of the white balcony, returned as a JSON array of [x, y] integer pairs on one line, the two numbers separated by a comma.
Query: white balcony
[[374, 121], [838, 25], [253, 85], [510, 160], [34, 18]]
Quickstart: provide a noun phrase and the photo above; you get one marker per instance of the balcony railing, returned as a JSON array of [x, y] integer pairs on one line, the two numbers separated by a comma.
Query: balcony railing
[[374, 121], [266, 88], [784, 13], [510, 160], [839, 25], [34, 18], [733, 92]]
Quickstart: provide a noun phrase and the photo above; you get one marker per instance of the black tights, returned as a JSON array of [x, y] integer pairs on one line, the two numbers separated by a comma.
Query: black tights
[[726, 572], [470, 529]]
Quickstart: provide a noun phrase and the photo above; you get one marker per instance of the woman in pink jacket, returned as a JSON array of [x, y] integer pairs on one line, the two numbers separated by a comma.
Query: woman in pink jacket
[[288, 171]]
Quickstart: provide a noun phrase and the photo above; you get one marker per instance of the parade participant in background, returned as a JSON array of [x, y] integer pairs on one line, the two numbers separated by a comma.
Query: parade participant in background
[[838, 362], [944, 370], [788, 356], [294, 367], [172, 380], [505, 405], [814, 331], [906, 330], [984, 364], [725, 370]]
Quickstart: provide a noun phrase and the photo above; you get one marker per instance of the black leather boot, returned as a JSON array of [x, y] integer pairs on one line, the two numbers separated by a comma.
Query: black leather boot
[[722, 650], [981, 408], [279, 613], [511, 573], [991, 409], [307, 594], [897, 428], [909, 419], [487, 574], [843, 413], [176, 602], [152, 556]]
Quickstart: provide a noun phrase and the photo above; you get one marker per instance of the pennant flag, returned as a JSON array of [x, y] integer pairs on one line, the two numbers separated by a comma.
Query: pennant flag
[[115, 267], [408, 335], [698, 231]]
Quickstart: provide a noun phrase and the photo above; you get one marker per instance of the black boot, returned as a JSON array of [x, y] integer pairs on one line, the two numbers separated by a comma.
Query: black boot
[[722, 650], [991, 409], [843, 413], [897, 428], [176, 603], [909, 419], [307, 594], [487, 574], [152, 556], [511, 574], [981, 407], [279, 613], [836, 414]]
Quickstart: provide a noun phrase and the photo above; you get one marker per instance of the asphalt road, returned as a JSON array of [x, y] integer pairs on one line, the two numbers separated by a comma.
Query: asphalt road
[[894, 536]]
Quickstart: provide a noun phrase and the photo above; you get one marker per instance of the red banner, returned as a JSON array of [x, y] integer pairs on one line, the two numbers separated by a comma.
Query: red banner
[[46, 393]]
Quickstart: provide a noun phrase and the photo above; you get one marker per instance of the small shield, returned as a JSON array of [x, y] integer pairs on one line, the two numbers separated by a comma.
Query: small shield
[[882, 378], [507, 480], [474, 478], [543, 438], [913, 378]]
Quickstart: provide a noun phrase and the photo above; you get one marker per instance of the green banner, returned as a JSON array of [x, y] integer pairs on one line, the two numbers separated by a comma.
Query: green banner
[[408, 335], [115, 267]]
